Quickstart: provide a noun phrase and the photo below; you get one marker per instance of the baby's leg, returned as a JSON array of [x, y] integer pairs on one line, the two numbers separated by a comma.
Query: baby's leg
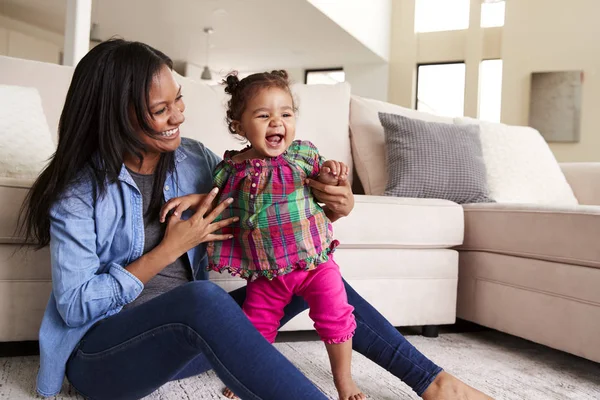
[[340, 357], [264, 305], [324, 292]]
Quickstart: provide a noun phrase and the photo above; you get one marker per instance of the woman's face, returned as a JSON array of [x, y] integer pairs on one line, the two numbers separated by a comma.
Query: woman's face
[[166, 112]]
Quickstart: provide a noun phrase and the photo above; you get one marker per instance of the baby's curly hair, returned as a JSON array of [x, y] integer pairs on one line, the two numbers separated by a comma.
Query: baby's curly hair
[[242, 91]]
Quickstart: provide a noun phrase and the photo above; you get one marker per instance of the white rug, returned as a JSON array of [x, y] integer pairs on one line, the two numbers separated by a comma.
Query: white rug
[[503, 366]]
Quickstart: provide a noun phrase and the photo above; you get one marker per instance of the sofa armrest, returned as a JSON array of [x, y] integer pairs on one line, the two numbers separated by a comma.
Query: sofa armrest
[[584, 178]]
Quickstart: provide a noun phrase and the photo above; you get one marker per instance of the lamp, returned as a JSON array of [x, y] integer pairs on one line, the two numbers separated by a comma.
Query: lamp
[[206, 74]]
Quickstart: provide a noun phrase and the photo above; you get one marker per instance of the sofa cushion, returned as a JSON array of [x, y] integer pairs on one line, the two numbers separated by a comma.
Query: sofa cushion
[[434, 160], [391, 222], [368, 140], [323, 113], [520, 166], [584, 179], [25, 140], [566, 235]]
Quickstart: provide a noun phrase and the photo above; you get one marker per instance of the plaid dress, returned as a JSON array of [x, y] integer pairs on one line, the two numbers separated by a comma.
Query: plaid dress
[[281, 226]]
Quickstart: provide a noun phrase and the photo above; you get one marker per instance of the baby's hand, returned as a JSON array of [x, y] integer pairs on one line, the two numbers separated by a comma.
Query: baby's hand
[[180, 204], [333, 173]]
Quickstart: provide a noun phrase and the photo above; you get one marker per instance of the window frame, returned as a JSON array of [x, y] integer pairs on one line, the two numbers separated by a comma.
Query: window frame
[[479, 86], [332, 69], [434, 63]]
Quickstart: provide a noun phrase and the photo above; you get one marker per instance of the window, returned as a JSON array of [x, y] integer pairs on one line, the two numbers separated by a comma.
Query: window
[[329, 76], [441, 15], [441, 89], [492, 13], [490, 90]]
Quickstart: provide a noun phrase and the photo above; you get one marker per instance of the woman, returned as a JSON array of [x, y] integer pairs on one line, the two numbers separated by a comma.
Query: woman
[[130, 307]]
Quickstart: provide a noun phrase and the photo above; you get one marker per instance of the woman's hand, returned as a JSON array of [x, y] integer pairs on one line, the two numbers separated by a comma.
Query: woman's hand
[[180, 235], [339, 200], [180, 204]]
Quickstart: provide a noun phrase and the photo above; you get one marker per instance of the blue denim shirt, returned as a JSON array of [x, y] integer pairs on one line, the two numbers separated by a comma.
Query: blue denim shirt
[[92, 239]]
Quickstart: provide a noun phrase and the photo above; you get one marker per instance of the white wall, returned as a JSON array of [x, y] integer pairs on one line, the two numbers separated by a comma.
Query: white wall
[[409, 49], [541, 35], [538, 35], [4, 41], [368, 80], [21, 40], [368, 21]]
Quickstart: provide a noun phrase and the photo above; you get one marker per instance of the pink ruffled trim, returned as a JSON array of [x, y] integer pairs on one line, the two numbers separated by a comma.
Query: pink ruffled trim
[[307, 264], [339, 340]]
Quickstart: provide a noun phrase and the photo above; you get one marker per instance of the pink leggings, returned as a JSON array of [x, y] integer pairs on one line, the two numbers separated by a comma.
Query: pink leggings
[[323, 290]]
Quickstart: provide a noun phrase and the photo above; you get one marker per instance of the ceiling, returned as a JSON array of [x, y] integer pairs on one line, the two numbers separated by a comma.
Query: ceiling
[[248, 34]]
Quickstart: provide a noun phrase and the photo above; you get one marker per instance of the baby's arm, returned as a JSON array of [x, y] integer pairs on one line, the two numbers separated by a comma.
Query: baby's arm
[[333, 173]]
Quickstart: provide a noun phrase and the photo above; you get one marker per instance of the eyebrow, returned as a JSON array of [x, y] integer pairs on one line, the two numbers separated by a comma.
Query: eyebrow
[[164, 101], [268, 109]]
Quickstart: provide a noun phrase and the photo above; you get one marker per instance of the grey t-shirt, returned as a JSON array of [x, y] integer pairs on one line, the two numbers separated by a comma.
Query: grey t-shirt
[[172, 275]]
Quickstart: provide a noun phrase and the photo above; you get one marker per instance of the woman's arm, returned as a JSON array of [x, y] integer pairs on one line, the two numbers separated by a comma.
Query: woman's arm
[[182, 235], [81, 292], [338, 200]]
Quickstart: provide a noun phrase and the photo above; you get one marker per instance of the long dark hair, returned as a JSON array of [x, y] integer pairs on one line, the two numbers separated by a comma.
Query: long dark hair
[[109, 85]]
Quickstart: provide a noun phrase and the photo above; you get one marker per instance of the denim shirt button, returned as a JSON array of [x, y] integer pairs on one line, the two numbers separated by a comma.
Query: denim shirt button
[[167, 188]]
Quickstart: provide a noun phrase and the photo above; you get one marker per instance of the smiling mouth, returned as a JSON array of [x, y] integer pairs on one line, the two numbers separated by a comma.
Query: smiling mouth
[[275, 140], [170, 133]]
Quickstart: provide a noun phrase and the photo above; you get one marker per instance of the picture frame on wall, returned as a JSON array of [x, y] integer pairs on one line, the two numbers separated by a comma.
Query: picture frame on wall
[[555, 105]]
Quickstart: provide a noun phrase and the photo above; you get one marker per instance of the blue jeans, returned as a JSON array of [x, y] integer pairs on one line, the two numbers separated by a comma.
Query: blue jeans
[[199, 326]]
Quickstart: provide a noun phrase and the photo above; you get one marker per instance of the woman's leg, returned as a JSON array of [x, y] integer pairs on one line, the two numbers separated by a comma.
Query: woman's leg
[[133, 353], [376, 339], [389, 349]]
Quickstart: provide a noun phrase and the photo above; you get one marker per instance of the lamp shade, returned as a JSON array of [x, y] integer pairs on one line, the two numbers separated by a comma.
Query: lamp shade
[[206, 75]]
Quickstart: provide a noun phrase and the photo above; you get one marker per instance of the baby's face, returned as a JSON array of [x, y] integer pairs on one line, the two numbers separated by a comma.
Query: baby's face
[[269, 122]]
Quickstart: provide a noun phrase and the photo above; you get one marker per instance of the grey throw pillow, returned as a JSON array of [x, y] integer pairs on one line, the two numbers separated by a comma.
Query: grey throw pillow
[[434, 160]]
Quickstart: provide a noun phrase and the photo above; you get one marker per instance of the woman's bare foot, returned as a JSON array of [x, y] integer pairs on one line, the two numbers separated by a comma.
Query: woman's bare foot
[[347, 389], [229, 394], [447, 387]]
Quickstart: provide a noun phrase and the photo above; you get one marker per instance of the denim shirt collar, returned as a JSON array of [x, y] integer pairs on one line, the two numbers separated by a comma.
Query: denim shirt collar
[[124, 175]]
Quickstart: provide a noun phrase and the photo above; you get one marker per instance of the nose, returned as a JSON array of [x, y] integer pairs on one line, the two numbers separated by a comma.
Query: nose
[[275, 121], [177, 116]]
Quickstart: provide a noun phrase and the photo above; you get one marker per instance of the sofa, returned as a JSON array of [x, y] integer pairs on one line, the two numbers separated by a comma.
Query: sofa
[[398, 253], [420, 262]]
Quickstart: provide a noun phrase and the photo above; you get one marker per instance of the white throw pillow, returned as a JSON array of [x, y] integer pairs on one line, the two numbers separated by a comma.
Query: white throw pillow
[[368, 139], [25, 139], [520, 166]]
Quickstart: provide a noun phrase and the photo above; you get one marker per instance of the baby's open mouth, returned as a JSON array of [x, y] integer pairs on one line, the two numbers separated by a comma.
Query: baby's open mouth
[[275, 140]]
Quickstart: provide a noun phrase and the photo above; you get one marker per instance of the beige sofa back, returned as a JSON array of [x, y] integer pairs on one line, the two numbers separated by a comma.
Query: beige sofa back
[[323, 109]]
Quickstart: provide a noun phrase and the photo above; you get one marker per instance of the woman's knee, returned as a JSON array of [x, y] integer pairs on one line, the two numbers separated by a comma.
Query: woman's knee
[[204, 293]]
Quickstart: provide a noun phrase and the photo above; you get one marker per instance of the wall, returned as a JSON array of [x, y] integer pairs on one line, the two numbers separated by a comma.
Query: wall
[[21, 40], [403, 55], [368, 80], [369, 22], [540, 35], [410, 49]]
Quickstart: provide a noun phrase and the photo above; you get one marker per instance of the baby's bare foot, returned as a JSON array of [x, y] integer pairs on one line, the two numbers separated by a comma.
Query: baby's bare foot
[[347, 389], [447, 387], [229, 394]]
